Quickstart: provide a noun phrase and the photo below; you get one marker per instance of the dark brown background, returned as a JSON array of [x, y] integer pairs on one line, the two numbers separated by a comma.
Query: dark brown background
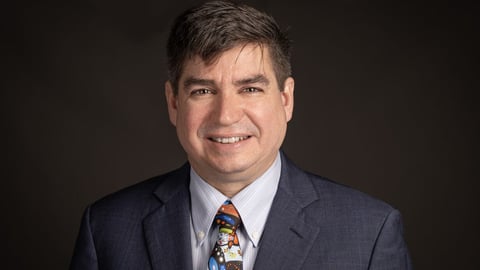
[[385, 102]]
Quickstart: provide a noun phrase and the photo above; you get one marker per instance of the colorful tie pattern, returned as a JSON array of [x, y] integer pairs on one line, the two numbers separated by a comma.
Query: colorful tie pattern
[[226, 254]]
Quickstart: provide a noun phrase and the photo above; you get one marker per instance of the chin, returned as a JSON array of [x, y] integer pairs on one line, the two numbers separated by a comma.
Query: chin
[[230, 168]]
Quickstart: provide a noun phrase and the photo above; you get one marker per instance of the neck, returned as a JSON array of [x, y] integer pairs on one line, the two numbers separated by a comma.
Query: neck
[[229, 189], [230, 183], [227, 183]]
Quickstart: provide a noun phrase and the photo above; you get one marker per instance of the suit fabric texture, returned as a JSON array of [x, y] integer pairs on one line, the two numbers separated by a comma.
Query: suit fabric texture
[[314, 223]]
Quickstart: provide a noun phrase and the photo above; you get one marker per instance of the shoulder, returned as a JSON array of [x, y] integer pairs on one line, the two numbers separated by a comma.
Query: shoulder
[[323, 198], [340, 197], [345, 221], [141, 198]]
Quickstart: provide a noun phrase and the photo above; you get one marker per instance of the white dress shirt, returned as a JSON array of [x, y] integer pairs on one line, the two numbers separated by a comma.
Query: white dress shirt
[[252, 203]]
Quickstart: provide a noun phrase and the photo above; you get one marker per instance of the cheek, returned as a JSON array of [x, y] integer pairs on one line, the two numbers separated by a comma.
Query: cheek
[[269, 118], [190, 121]]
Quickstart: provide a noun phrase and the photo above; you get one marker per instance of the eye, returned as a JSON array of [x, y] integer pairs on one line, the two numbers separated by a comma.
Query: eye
[[201, 92], [251, 90]]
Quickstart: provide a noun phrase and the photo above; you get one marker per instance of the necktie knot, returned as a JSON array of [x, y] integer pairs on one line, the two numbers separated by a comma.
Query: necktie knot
[[227, 217]]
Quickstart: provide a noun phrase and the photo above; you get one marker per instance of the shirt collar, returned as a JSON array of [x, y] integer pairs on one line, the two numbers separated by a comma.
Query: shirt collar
[[252, 203]]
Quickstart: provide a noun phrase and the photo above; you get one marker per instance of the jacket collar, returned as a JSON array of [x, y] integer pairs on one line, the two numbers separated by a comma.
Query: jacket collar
[[167, 228], [288, 235], [287, 238]]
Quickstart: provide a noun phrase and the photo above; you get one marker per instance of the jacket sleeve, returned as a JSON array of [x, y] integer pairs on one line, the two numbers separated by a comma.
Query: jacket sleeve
[[84, 254], [390, 251]]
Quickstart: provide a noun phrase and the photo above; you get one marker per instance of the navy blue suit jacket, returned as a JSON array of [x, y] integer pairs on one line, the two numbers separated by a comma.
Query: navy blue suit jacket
[[314, 223]]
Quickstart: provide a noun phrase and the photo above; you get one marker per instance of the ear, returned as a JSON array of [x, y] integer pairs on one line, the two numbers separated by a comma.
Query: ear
[[172, 103], [287, 97]]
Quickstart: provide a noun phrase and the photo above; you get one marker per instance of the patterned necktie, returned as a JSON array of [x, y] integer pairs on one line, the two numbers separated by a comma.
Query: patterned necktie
[[226, 254]]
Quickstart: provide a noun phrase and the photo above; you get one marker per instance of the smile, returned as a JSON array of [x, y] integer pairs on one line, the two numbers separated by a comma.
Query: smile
[[227, 140]]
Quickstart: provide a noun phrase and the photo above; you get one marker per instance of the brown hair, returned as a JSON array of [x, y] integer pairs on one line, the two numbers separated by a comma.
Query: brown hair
[[217, 26]]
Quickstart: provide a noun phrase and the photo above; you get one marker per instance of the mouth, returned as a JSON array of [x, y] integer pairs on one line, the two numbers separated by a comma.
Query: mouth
[[228, 140]]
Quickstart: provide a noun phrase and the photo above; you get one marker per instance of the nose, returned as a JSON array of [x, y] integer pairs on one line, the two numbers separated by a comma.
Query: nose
[[228, 109]]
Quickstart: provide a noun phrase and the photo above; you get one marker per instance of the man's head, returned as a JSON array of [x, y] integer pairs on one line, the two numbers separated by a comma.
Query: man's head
[[226, 99], [215, 27]]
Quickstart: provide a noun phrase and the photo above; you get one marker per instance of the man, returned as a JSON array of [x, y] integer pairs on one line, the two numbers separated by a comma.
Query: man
[[238, 203]]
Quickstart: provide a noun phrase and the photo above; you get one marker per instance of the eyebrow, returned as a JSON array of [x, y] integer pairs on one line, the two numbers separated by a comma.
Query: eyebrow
[[197, 81], [259, 78], [255, 79]]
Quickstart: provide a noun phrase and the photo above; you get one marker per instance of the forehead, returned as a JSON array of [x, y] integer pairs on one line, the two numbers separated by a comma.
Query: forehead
[[242, 60]]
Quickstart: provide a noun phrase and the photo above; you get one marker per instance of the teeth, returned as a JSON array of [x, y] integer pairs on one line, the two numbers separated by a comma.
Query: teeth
[[229, 139]]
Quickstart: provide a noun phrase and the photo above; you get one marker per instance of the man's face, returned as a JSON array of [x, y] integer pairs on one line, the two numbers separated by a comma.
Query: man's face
[[231, 117]]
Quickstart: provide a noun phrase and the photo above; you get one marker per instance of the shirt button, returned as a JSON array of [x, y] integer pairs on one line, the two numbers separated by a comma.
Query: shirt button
[[255, 235], [200, 235]]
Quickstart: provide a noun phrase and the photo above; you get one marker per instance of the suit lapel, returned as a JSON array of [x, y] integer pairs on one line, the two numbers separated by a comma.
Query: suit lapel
[[286, 241], [288, 237], [167, 229]]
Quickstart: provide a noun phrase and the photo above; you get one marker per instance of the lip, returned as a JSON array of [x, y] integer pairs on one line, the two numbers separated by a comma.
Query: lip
[[228, 139]]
